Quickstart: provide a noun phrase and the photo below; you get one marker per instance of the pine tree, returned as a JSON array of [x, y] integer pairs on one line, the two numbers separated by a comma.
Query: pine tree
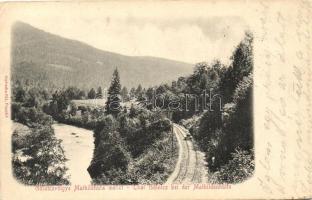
[[99, 93], [132, 93], [138, 90], [124, 94], [132, 111], [92, 94], [114, 98]]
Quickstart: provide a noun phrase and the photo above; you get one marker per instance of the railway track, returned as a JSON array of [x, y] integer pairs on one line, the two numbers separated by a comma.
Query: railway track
[[190, 167]]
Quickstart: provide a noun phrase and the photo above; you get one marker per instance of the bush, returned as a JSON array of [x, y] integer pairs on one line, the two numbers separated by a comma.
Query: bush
[[109, 154], [239, 168], [38, 157], [142, 131], [239, 125], [131, 148], [156, 163], [208, 124], [30, 116], [219, 134], [116, 177]]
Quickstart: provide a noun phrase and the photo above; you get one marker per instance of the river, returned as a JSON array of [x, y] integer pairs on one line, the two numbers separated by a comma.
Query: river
[[78, 146]]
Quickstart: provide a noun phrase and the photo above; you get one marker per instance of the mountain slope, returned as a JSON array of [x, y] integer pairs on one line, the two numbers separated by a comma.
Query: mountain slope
[[57, 62]]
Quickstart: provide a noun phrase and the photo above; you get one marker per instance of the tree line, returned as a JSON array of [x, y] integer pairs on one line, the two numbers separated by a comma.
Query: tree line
[[133, 142], [38, 157], [225, 130]]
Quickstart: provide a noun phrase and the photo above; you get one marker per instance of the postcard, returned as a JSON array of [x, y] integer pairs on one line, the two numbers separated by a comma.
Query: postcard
[[156, 100]]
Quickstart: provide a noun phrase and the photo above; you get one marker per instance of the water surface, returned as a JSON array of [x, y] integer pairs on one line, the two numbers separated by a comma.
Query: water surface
[[78, 146]]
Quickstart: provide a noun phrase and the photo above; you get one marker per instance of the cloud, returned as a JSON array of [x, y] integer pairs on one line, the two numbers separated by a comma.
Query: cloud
[[189, 39], [212, 27]]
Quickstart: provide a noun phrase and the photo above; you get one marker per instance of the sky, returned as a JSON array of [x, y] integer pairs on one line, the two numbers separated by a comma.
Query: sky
[[191, 38]]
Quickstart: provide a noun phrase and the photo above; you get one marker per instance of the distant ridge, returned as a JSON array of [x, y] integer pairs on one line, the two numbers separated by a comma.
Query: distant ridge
[[55, 61]]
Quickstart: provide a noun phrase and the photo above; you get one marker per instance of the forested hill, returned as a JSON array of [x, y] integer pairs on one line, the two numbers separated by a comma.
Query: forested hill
[[58, 62]]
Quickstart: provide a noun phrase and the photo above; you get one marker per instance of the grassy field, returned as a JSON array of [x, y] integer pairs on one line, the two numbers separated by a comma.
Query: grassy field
[[95, 103]]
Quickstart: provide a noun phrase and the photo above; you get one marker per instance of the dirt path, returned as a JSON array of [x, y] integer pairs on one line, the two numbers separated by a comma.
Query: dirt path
[[191, 165], [78, 146]]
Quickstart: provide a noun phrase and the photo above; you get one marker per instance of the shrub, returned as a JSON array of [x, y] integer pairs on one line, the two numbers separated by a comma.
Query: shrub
[[220, 135], [239, 126], [239, 168], [109, 154], [30, 116], [116, 177], [156, 163], [208, 124], [131, 148], [38, 157]]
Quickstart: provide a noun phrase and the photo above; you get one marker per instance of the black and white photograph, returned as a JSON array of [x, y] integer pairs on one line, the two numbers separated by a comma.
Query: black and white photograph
[[132, 101], [155, 100]]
